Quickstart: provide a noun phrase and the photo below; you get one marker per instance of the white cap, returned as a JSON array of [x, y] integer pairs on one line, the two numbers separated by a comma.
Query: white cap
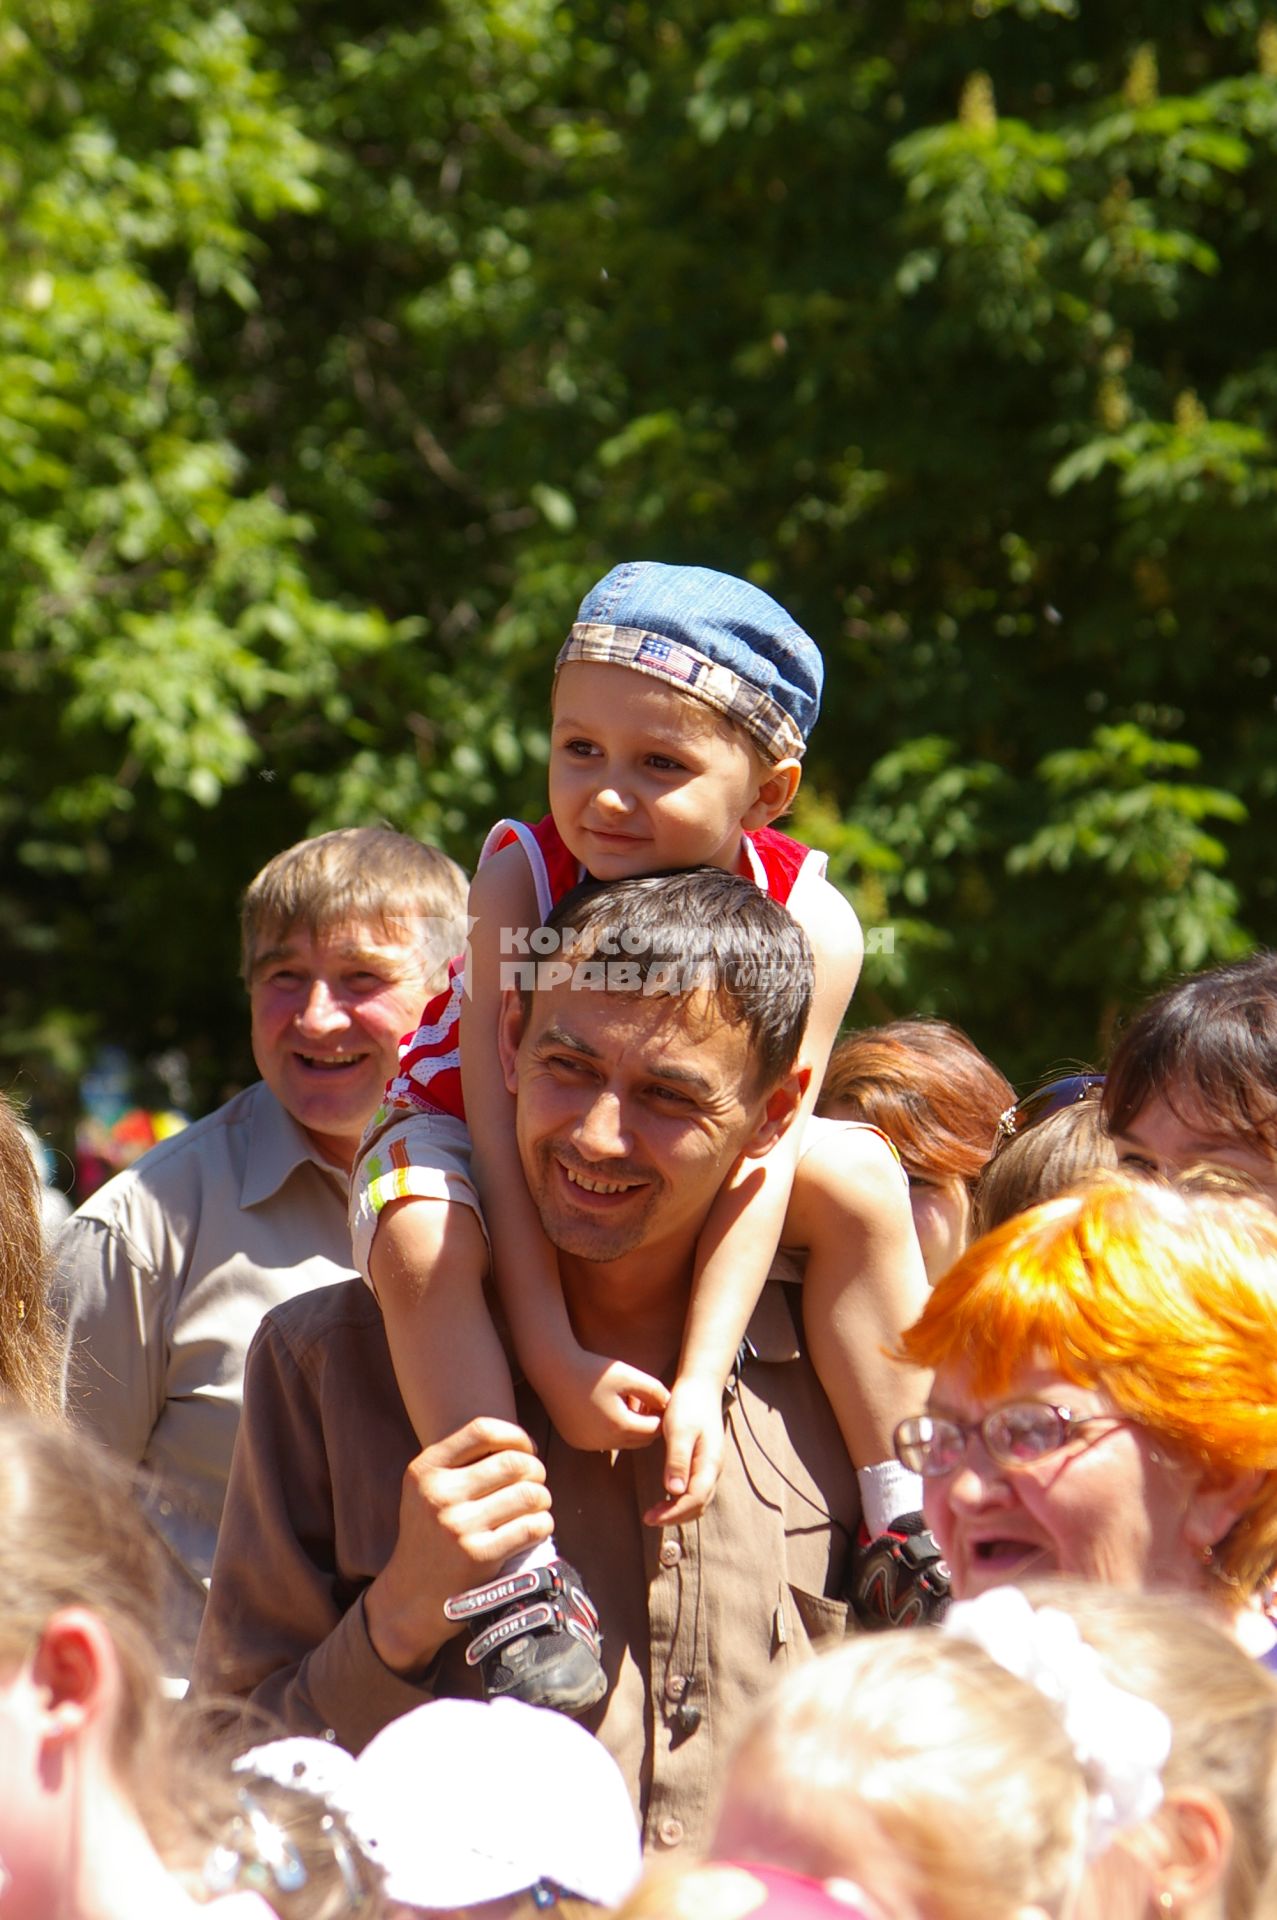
[[463, 1801], [312, 1766]]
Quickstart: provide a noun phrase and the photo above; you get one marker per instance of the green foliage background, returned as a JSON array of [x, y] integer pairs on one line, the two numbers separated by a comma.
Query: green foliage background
[[342, 347]]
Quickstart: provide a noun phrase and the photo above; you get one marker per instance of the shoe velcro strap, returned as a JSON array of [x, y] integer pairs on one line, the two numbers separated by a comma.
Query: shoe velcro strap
[[918, 1552], [500, 1593], [545, 1613]]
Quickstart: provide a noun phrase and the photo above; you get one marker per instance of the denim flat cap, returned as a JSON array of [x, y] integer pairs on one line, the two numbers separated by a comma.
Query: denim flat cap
[[712, 636]]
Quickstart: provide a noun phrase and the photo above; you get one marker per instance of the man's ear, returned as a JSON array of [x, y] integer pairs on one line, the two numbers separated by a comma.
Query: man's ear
[[775, 794], [779, 1111], [77, 1669], [509, 1033]]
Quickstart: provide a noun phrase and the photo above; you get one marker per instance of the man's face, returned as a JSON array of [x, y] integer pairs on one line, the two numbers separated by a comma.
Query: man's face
[[329, 1010], [631, 1112]]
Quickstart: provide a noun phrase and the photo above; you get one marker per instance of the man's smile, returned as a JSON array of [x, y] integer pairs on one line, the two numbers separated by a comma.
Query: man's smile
[[596, 1183]]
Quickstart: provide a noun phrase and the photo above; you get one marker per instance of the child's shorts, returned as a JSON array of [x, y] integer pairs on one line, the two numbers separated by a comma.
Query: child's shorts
[[421, 1154]]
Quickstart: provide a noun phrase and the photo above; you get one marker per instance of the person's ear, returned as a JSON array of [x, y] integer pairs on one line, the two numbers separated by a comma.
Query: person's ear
[[778, 1112], [77, 1669], [509, 1034], [1196, 1844], [1218, 1500], [775, 794]]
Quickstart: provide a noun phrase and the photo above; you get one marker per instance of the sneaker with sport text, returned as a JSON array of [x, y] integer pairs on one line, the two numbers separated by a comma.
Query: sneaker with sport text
[[540, 1642]]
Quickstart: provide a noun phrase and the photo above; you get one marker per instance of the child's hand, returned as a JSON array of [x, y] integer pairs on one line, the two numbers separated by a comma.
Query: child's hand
[[599, 1404], [693, 1428]]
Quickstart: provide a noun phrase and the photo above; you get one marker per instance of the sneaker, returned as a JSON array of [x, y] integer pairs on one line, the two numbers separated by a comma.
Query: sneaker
[[544, 1645], [899, 1579]]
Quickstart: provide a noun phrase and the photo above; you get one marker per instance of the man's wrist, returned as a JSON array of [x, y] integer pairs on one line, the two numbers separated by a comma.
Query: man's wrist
[[394, 1633]]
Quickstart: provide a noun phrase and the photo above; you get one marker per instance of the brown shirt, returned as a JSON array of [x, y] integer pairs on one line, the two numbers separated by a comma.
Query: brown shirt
[[709, 1613]]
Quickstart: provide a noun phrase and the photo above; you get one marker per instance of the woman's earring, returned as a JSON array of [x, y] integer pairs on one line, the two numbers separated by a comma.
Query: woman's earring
[[1166, 1901]]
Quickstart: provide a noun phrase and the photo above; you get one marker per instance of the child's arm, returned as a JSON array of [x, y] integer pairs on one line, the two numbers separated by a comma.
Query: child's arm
[[594, 1403], [864, 1284], [739, 1240]]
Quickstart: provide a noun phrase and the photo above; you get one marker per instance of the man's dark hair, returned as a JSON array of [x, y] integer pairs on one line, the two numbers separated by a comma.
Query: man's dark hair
[[697, 929], [1210, 1042]]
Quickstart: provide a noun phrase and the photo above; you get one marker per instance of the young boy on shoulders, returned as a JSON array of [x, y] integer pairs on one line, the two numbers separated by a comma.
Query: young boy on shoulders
[[682, 703]]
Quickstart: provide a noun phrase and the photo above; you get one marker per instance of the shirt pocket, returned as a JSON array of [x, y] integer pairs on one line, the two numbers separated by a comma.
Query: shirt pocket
[[806, 1622]]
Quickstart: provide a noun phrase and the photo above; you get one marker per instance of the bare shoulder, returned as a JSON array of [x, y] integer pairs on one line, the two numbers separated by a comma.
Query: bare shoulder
[[847, 1168], [503, 882], [825, 915], [838, 948]]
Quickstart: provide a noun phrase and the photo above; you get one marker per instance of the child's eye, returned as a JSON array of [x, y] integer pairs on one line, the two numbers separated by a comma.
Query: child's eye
[[580, 749], [663, 764]]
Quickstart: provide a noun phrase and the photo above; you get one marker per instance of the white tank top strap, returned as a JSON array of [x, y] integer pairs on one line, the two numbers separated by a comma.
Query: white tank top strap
[[757, 871], [812, 868], [536, 859]]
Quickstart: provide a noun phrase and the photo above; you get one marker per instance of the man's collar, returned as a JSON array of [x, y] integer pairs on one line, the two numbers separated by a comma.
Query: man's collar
[[276, 1147]]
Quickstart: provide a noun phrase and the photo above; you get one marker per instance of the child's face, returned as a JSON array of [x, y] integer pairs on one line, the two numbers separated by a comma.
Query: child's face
[[644, 778], [34, 1842]]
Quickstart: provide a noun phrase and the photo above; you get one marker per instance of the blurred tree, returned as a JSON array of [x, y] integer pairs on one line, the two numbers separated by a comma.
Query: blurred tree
[[343, 347]]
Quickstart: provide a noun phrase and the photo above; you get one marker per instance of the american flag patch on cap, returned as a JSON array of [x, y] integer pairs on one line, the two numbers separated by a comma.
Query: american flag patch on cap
[[663, 656], [600, 643]]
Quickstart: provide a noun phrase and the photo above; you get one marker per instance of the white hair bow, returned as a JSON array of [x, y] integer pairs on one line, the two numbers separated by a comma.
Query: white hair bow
[[1121, 1742]]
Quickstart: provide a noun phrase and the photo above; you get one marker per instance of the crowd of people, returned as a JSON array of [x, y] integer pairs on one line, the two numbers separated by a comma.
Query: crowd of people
[[619, 1448]]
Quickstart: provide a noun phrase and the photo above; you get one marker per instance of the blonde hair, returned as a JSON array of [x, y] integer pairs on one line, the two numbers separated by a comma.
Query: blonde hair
[[1222, 1706], [30, 1354], [1160, 1297], [371, 875], [71, 1535], [883, 1761], [339, 1876]]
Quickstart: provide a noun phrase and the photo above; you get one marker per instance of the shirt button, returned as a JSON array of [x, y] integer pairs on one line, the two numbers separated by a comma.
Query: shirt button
[[676, 1686], [670, 1554], [670, 1833]]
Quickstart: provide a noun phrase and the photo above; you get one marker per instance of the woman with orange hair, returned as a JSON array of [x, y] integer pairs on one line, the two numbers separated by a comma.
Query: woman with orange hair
[[1105, 1398]]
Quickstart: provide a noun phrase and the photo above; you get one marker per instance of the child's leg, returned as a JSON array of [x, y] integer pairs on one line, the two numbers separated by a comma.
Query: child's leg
[[427, 1265], [864, 1284], [418, 1239]]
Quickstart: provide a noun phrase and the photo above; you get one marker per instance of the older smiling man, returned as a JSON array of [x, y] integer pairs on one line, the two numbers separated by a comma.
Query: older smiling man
[[640, 1087], [166, 1271]]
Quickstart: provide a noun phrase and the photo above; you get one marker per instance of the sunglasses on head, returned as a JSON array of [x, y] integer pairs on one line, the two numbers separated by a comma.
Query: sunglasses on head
[[1068, 1091]]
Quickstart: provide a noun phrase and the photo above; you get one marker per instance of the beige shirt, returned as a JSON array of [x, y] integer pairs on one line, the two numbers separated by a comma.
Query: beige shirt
[[163, 1277], [708, 1613]]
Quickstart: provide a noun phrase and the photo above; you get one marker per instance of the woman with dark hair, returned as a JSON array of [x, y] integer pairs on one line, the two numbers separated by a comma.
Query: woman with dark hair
[[939, 1101], [1194, 1077]]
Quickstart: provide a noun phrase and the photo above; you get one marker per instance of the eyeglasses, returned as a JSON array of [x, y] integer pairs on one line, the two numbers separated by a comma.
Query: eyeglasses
[[1067, 1091], [1014, 1435]]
